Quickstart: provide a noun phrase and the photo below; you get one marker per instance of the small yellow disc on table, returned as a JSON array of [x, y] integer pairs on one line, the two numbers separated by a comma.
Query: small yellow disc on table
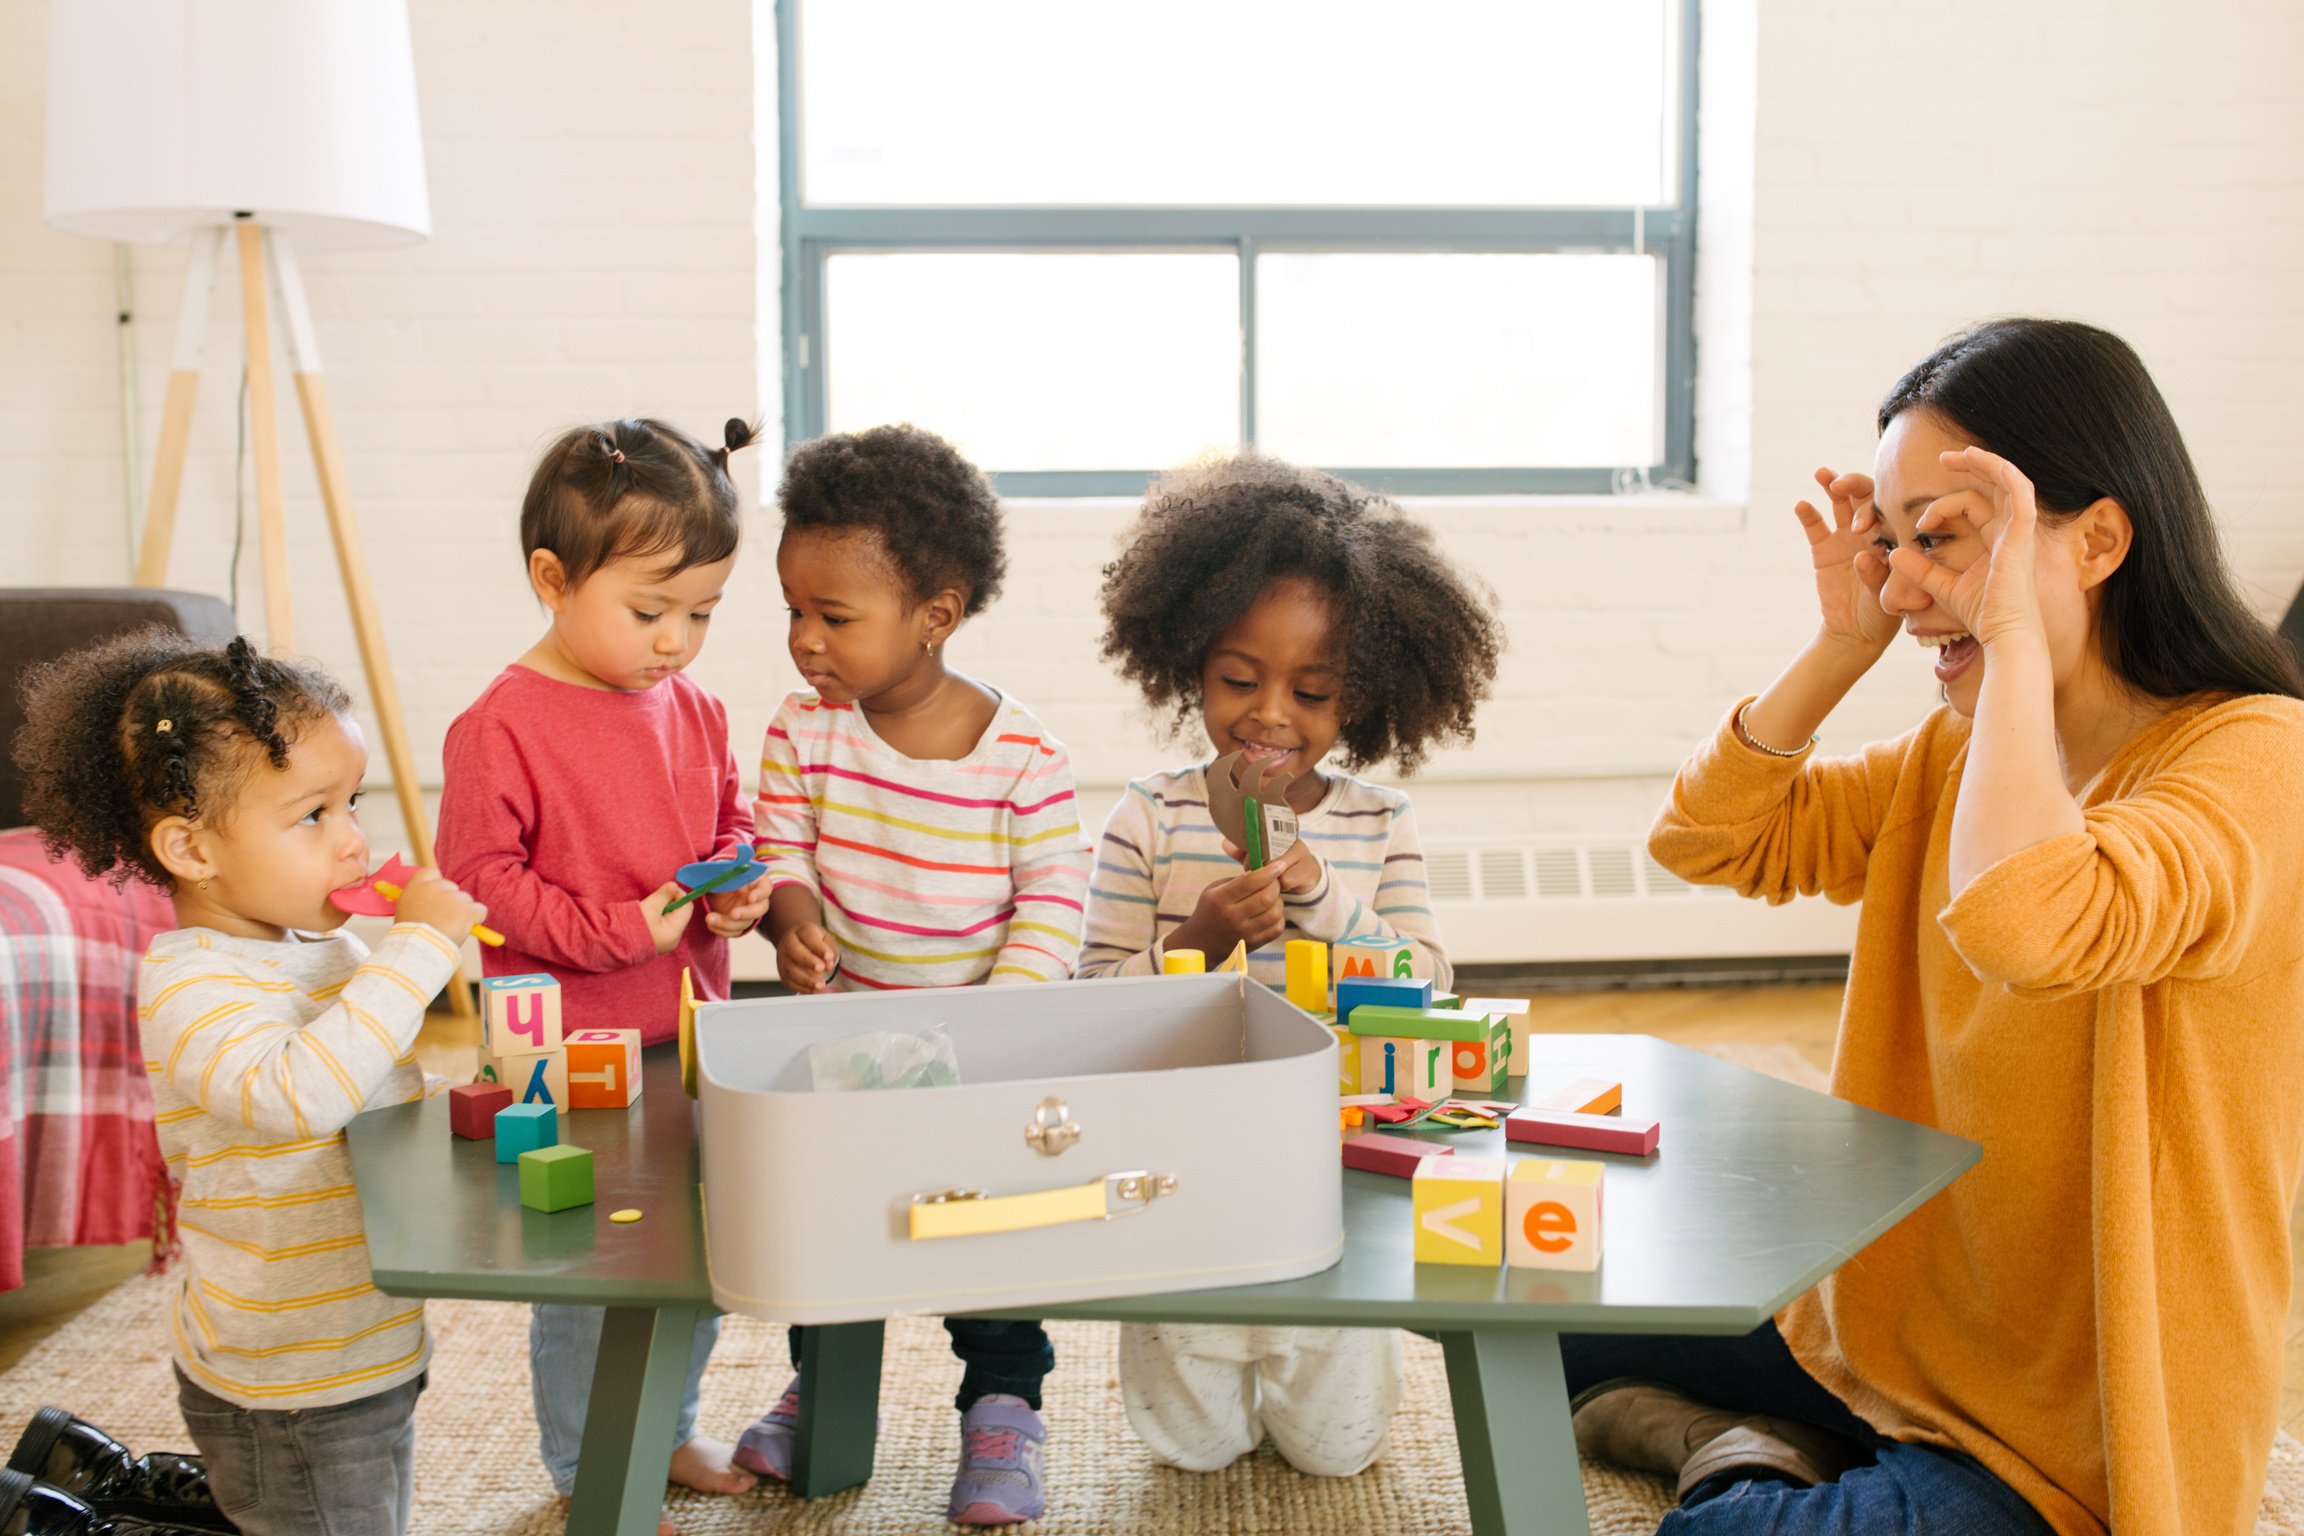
[[624, 1218]]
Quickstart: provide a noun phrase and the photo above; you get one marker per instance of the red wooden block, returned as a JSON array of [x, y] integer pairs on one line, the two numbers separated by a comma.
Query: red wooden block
[[472, 1109], [1395, 1155], [1590, 1133]]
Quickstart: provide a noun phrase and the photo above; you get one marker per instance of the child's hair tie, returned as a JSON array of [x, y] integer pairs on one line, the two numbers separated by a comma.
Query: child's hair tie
[[164, 727], [615, 455]]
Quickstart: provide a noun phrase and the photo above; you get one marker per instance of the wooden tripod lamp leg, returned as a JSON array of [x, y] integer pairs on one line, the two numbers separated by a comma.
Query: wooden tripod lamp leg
[[176, 415], [264, 439], [352, 566]]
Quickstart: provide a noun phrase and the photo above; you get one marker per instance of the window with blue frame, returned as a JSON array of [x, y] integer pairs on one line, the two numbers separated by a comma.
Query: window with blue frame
[[1441, 247]]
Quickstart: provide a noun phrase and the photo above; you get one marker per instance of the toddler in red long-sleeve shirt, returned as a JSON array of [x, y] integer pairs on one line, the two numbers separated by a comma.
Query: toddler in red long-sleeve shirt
[[584, 775]]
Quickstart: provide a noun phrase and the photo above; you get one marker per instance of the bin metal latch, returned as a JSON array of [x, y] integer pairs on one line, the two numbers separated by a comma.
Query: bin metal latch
[[971, 1212], [1052, 1129]]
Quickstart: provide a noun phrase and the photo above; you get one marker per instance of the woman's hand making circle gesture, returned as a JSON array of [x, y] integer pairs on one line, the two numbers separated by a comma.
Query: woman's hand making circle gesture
[[1849, 570], [1993, 595]]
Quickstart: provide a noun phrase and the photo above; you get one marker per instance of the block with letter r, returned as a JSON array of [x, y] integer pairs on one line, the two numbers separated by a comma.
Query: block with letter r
[[518, 1014]]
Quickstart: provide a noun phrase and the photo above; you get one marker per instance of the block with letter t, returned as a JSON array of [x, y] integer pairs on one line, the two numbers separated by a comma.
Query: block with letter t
[[603, 1068]]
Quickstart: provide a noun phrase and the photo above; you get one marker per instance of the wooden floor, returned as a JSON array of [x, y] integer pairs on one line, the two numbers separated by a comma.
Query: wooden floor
[[59, 1282]]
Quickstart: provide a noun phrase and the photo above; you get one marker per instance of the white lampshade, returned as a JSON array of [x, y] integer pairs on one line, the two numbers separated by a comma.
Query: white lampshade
[[166, 115]]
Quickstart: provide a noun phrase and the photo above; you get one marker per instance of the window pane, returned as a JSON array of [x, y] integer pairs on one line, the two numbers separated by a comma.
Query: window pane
[[1239, 102], [1458, 361], [1039, 361]]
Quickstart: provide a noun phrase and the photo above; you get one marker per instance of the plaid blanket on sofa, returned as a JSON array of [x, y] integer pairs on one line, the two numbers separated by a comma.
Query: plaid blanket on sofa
[[78, 1159]]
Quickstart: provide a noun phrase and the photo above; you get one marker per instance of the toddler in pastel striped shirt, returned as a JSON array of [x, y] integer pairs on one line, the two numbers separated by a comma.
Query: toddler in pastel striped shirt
[[230, 780], [1288, 614], [920, 831]]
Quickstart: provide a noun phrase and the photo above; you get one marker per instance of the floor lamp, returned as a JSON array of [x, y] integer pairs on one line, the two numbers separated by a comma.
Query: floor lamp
[[266, 126]]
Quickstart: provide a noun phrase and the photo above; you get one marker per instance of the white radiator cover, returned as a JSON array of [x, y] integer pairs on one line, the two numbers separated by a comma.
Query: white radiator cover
[[1536, 900]]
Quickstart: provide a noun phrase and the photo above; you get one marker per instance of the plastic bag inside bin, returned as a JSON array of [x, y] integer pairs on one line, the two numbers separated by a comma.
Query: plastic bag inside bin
[[885, 1058]]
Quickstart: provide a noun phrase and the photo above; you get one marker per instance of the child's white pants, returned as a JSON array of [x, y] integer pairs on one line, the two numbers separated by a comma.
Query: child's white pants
[[1203, 1394]]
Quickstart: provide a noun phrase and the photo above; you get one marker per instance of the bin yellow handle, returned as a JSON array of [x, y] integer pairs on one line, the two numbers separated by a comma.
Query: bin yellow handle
[[972, 1213]]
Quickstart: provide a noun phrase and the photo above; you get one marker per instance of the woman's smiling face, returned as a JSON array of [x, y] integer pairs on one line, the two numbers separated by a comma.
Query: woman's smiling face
[[1908, 478]]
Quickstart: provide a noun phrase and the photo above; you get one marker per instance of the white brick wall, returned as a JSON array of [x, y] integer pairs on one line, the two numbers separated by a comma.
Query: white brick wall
[[1874, 178]]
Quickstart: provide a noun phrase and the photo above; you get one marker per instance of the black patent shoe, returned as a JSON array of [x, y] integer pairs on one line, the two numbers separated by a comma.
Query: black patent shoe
[[73, 1456]]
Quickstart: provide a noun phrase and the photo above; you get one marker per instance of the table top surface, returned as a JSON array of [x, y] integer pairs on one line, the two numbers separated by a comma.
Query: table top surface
[[1758, 1190]]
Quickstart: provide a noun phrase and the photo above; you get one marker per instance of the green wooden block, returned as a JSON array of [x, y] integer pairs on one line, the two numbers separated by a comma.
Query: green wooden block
[[1419, 1023], [555, 1178]]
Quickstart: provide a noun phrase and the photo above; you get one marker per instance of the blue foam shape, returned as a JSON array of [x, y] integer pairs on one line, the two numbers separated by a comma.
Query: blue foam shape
[[524, 1128], [691, 876], [1381, 992]]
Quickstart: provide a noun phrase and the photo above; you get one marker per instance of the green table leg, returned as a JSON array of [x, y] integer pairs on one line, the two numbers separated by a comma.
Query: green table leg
[[1512, 1432], [839, 1407], [628, 1424]]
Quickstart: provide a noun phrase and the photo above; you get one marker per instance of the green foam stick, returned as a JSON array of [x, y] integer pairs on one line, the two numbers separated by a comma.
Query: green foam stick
[[707, 888]]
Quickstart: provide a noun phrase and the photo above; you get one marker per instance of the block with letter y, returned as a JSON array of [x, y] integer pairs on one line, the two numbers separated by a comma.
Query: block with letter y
[[519, 1014]]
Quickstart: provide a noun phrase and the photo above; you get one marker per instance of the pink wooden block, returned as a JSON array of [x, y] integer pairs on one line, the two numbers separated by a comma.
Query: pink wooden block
[[1395, 1155], [1589, 1133]]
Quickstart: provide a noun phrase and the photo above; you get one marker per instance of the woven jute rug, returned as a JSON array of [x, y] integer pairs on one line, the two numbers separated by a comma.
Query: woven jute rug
[[476, 1466]]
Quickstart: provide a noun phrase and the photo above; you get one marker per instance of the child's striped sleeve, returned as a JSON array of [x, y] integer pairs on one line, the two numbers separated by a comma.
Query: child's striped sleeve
[[784, 814], [1121, 895], [1050, 871], [220, 1030]]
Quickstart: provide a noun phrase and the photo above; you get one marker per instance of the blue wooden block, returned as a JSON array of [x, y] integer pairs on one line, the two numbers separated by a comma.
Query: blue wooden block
[[523, 1128], [1383, 991]]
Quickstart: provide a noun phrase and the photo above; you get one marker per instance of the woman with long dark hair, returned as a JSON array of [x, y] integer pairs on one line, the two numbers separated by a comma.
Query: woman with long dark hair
[[2082, 945]]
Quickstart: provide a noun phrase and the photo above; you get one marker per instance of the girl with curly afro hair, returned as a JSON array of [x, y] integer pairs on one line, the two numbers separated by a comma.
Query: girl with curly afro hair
[[1296, 616], [230, 779]]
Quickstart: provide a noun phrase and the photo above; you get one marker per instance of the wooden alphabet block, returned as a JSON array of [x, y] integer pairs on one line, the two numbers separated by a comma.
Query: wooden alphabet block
[[1371, 957], [1395, 1155], [523, 1128], [603, 1068], [535, 1077], [1551, 1215], [1515, 1011], [472, 1109], [1585, 1096], [1459, 1206], [1589, 1133], [1404, 1067], [555, 1178], [1308, 974], [1381, 992], [519, 1014]]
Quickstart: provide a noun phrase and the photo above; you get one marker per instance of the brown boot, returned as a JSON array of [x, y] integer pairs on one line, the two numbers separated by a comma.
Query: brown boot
[[1801, 1453], [1651, 1427]]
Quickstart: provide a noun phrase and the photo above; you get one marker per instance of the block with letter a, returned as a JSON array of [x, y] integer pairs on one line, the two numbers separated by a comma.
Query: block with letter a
[[519, 1014], [1552, 1215], [603, 1068]]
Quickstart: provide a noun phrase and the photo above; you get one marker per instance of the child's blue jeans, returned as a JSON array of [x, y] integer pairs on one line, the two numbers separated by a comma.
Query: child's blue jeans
[[1908, 1490], [996, 1355], [349, 1470], [563, 1345]]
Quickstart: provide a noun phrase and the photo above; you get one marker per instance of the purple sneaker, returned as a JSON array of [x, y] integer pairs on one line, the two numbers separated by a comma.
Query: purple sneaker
[[999, 1481], [766, 1448]]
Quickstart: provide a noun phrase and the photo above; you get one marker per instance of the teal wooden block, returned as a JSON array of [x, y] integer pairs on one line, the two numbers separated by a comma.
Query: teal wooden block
[[523, 1128], [555, 1178]]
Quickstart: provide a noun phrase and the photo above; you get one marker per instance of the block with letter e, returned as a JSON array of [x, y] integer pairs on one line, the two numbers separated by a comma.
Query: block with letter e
[[1552, 1215], [603, 1068], [519, 1014]]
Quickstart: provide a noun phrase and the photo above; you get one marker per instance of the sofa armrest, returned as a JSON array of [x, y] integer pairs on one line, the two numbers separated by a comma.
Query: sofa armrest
[[39, 624]]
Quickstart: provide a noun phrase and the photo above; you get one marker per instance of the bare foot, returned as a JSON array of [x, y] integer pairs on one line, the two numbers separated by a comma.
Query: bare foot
[[664, 1525], [709, 1466]]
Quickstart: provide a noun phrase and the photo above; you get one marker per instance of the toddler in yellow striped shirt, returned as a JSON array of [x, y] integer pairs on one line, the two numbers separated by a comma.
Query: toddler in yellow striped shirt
[[230, 780]]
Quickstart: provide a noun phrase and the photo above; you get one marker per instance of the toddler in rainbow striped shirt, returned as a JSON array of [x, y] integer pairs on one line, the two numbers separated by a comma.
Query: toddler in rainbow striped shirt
[[920, 831]]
